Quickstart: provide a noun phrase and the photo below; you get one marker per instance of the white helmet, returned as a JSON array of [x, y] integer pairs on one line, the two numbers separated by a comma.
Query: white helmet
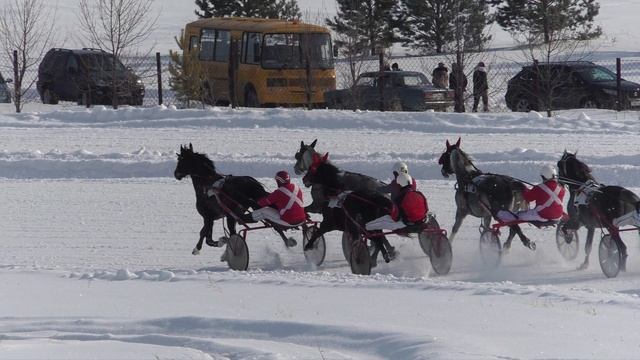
[[400, 168], [404, 180], [548, 172]]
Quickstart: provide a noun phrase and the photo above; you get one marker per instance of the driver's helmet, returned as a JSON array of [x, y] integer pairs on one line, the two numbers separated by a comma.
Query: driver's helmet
[[400, 168], [548, 172], [403, 180], [282, 178]]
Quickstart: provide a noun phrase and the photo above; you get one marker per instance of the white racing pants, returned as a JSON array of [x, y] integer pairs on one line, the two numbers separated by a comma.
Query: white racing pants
[[269, 213], [384, 223], [628, 219], [526, 215]]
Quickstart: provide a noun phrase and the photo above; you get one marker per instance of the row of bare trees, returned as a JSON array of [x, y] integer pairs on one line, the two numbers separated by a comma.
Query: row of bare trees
[[28, 30]]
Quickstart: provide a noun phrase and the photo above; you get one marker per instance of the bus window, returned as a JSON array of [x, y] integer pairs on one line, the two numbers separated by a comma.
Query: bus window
[[193, 43], [207, 42], [282, 51], [289, 51], [252, 46], [223, 40]]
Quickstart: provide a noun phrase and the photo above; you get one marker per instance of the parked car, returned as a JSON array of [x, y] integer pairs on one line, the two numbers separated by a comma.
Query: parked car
[[402, 91], [569, 85], [86, 75], [5, 95]]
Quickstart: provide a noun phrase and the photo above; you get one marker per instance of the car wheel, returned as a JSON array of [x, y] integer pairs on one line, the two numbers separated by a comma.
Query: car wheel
[[590, 103], [251, 98], [49, 97], [522, 105]]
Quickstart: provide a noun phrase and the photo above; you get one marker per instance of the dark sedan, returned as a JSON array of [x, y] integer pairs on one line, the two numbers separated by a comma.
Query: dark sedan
[[402, 91]]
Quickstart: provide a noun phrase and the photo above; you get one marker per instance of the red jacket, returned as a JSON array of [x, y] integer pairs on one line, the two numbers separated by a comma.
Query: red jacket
[[287, 199], [412, 207], [395, 188], [548, 197]]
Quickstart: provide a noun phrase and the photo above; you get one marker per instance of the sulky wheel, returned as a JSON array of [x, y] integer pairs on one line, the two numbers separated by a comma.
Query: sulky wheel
[[440, 254], [316, 255], [567, 241], [237, 253], [426, 238], [490, 248], [360, 257], [610, 256]]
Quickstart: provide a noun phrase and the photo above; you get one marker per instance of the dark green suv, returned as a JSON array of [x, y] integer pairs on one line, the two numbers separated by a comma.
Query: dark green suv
[[569, 85], [87, 76]]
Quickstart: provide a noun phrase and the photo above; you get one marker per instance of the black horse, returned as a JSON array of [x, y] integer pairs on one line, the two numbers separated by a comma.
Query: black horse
[[357, 208], [238, 193], [601, 205], [349, 180], [482, 195]]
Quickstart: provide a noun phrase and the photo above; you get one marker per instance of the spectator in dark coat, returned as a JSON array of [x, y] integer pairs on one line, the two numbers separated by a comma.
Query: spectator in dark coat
[[480, 87], [455, 76], [440, 76]]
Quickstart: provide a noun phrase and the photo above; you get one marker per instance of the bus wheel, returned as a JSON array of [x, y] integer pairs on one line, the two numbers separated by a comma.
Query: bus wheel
[[251, 99]]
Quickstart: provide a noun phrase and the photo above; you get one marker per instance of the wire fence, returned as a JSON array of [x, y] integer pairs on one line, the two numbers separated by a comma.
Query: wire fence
[[153, 71]]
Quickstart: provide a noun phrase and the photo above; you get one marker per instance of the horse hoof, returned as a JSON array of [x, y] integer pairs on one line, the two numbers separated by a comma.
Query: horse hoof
[[291, 242], [309, 246], [195, 251], [210, 242], [531, 245], [222, 240]]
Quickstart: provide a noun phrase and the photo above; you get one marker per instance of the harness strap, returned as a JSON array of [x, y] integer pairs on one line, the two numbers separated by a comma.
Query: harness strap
[[293, 198]]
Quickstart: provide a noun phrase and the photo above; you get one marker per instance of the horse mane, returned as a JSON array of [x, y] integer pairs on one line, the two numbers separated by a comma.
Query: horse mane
[[464, 165], [328, 174]]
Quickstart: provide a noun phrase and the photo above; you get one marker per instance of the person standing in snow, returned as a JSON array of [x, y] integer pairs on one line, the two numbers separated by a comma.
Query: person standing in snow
[[440, 76], [480, 87], [458, 83]]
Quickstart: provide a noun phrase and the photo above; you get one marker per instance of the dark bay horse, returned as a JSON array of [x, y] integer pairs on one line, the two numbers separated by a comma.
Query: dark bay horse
[[481, 195], [603, 205], [239, 193], [357, 208], [349, 180]]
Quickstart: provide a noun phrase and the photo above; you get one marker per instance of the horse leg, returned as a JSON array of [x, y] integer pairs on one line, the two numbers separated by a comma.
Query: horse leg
[[206, 230], [325, 226], [587, 248], [460, 215], [525, 240], [507, 244], [615, 234], [390, 249], [378, 246]]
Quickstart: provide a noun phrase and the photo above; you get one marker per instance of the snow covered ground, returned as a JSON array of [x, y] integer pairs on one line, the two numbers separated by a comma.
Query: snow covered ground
[[97, 238]]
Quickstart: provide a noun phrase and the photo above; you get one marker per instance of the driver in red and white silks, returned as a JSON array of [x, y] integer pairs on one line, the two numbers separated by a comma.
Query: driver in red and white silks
[[410, 208], [548, 197], [284, 206]]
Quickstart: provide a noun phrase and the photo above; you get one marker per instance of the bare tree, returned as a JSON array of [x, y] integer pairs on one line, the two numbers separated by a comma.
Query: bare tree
[[119, 27], [26, 28]]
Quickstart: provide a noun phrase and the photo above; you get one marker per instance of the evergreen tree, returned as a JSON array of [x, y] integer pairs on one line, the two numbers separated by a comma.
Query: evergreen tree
[[272, 9], [368, 23], [573, 18], [444, 25]]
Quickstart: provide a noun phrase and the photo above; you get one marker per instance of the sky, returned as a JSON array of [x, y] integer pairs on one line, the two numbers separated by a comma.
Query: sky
[[617, 18]]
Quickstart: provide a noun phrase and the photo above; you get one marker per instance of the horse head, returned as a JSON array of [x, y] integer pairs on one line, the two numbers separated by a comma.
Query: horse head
[[191, 163], [569, 167], [445, 159], [322, 172], [304, 157]]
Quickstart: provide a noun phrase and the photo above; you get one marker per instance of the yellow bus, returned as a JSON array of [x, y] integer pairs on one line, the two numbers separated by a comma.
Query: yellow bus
[[279, 63]]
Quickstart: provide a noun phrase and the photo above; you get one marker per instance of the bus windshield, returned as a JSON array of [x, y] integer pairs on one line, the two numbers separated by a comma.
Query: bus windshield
[[290, 51]]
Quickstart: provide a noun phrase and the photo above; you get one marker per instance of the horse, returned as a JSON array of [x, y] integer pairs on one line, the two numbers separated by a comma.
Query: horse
[[480, 194], [238, 194], [601, 208], [349, 180], [357, 208]]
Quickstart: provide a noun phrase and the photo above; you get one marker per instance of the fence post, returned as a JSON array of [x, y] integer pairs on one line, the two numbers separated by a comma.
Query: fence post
[[459, 90], [536, 83], [231, 73], [381, 78], [17, 99], [159, 71], [619, 83]]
